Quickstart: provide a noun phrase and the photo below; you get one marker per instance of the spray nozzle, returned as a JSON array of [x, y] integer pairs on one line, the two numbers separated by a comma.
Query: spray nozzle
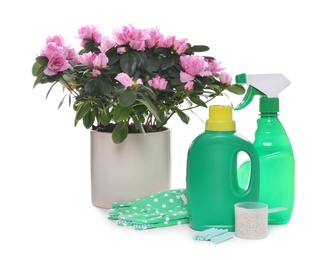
[[265, 85]]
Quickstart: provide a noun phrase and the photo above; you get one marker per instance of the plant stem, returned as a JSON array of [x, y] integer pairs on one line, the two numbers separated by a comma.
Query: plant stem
[[70, 89]]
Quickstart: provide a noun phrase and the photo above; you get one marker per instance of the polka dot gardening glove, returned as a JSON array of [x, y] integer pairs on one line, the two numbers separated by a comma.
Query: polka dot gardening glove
[[162, 209]]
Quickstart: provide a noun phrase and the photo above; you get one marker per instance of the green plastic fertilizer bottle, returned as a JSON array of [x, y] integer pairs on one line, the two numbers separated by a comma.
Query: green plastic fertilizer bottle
[[211, 178], [275, 152]]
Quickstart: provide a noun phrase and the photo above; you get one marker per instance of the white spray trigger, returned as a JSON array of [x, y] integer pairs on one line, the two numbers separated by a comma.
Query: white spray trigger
[[270, 84]]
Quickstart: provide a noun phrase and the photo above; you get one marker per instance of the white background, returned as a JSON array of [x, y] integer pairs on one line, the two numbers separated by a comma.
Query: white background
[[46, 211]]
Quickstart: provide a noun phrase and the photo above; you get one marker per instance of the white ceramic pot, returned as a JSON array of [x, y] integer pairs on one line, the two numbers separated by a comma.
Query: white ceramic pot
[[137, 167]]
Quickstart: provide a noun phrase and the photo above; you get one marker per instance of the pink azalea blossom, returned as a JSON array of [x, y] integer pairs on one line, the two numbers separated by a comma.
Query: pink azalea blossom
[[58, 39], [49, 50], [100, 61], [193, 66], [95, 61], [162, 42], [189, 85], [214, 66], [89, 33], [155, 37], [139, 81], [180, 46], [121, 50], [169, 41], [134, 37], [71, 55], [96, 73], [225, 78], [55, 45], [106, 44], [56, 63], [184, 77], [88, 59], [121, 35], [124, 79], [158, 83]]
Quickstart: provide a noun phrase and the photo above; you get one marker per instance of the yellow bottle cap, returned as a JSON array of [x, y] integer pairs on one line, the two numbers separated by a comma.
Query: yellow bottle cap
[[220, 119]]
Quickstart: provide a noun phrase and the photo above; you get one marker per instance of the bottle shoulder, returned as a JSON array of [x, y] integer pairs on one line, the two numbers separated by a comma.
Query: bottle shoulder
[[209, 137], [270, 126]]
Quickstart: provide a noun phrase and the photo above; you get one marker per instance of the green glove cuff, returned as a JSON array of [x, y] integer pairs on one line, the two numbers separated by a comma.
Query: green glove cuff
[[166, 208]]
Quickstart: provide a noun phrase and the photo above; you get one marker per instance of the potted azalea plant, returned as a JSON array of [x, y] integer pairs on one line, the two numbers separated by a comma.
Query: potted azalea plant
[[133, 81]]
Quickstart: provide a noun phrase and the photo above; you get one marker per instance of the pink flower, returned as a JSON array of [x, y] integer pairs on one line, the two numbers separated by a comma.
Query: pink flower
[[49, 49], [158, 83], [193, 66], [162, 43], [214, 66], [189, 85], [124, 79], [71, 55], [139, 81], [96, 73], [56, 63], [121, 50], [55, 45], [121, 36], [88, 59], [58, 39], [169, 41], [95, 61], [155, 37], [225, 78], [184, 77], [180, 46], [89, 33], [100, 61], [106, 44], [134, 37]]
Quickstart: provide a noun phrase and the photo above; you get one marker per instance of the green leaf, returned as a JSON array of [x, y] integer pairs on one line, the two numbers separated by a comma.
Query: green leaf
[[113, 56], [88, 119], [127, 98], [35, 69], [197, 100], [162, 117], [105, 87], [182, 116], [150, 106], [121, 113], [175, 81], [83, 110], [154, 63], [129, 62], [62, 100], [142, 59], [104, 118], [120, 133], [165, 64], [216, 88], [95, 86], [199, 48], [91, 46], [236, 89], [140, 111], [41, 78], [42, 60], [138, 124], [149, 91]]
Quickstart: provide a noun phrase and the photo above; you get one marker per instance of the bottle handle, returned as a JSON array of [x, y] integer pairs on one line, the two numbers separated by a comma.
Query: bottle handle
[[253, 167], [254, 171]]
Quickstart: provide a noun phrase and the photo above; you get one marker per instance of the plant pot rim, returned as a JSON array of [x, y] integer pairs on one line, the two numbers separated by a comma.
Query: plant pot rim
[[163, 129]]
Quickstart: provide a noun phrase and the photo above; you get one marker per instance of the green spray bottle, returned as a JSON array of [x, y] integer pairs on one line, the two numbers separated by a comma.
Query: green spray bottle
[[212, 176], [277, 164]]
